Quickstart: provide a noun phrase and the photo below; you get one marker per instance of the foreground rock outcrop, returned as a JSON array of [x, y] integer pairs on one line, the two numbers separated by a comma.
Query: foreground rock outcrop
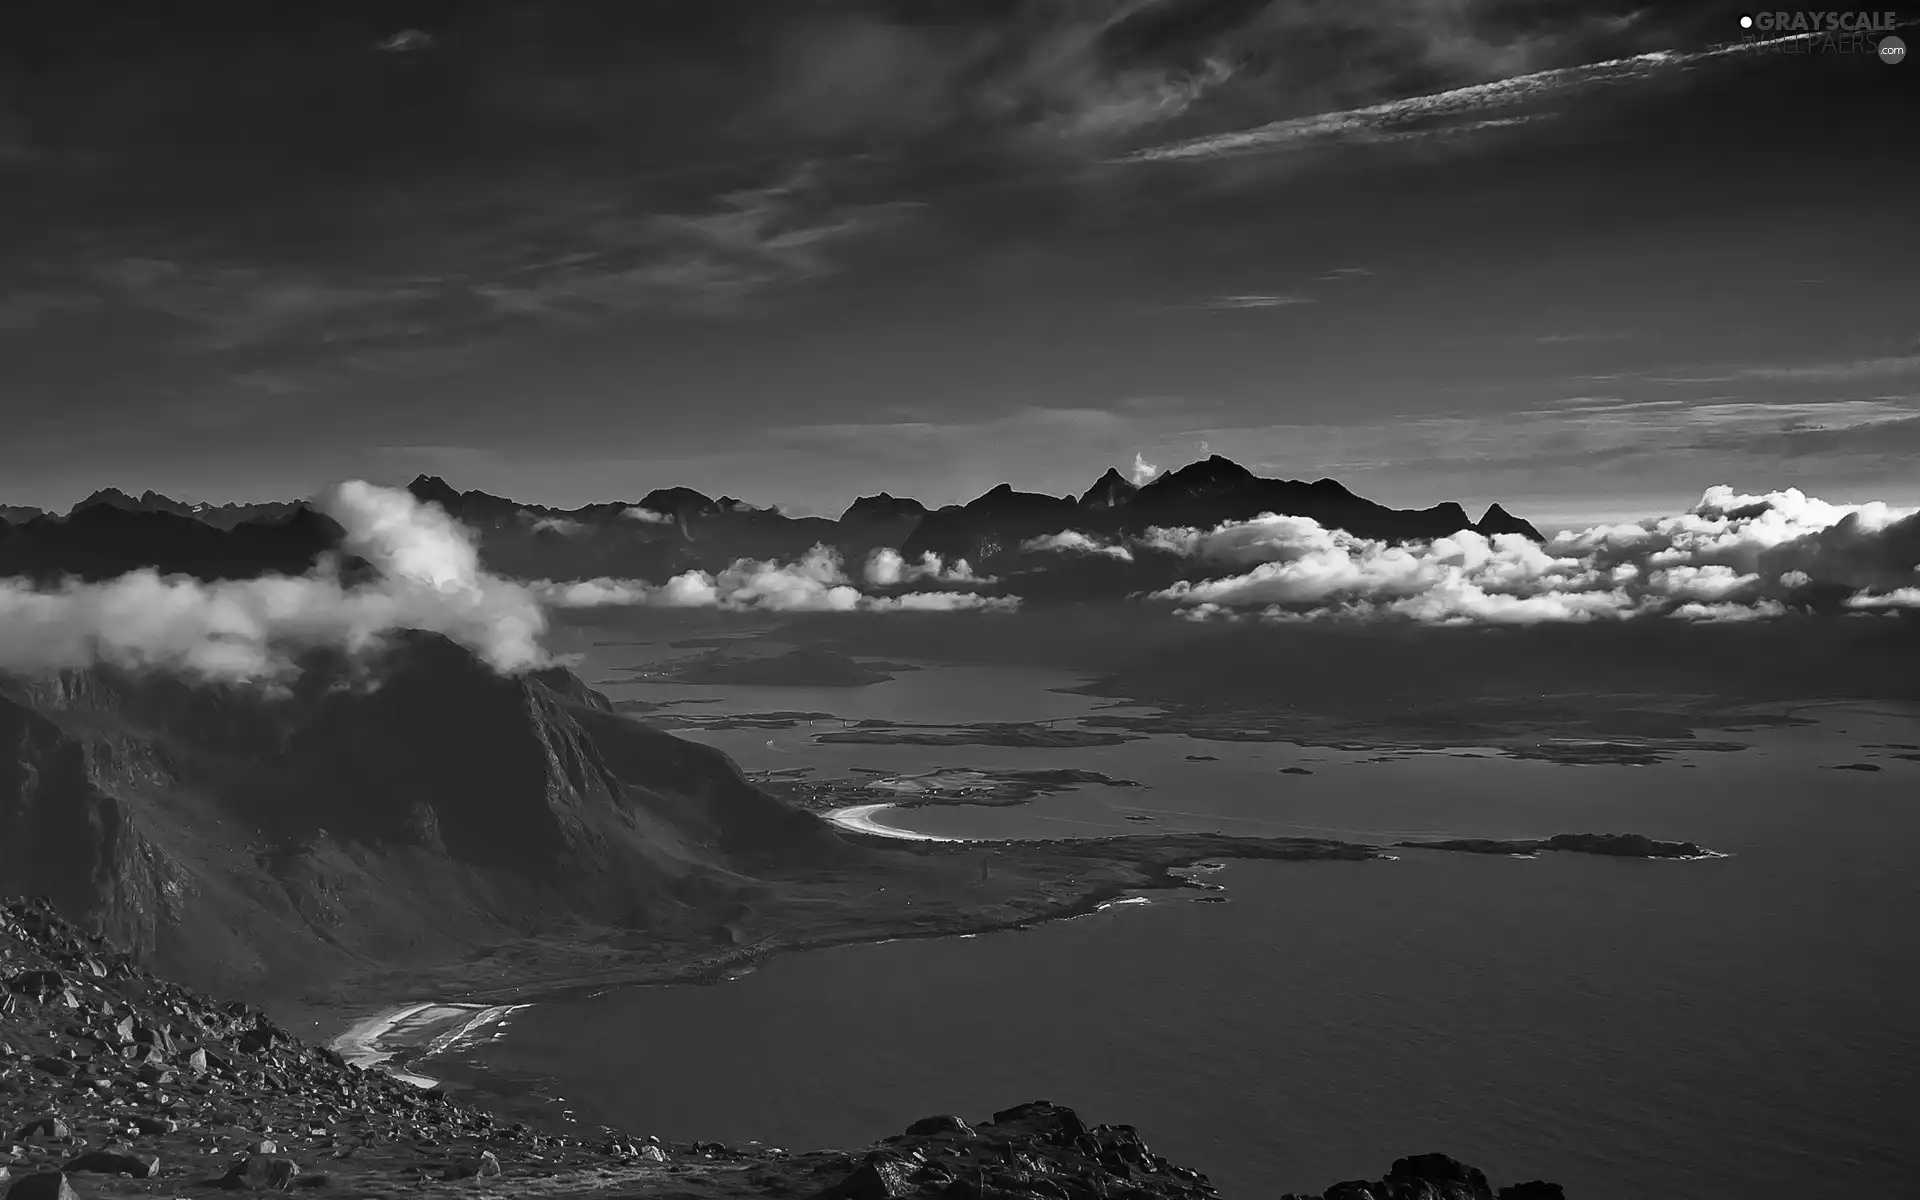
[[114, 1082]]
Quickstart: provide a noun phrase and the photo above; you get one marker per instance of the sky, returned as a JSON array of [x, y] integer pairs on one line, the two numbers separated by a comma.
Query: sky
[[1586, 259]]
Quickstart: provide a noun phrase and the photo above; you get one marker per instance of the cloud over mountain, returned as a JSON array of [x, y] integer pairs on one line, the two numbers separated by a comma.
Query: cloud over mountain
[[886, 567], [1729, 557], [426, 576]]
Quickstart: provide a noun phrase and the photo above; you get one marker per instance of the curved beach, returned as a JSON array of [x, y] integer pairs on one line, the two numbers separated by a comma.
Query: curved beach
[[860, 819]]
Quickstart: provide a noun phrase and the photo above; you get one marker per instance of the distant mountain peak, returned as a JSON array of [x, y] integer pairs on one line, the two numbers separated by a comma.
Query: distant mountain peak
[[1499, 520], [1209, 476], [1002, 498], [431, 489], [1109, 490], [147, 501], [884, 506], [679, 502]]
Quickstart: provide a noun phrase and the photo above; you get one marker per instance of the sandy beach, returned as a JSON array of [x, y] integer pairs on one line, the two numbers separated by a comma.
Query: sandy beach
[[413, 1031], [860, 819]]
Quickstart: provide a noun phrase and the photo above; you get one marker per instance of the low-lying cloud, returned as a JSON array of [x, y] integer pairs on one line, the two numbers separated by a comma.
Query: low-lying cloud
[[817, 582], [427, 576], [1069, 541], [1730, 557], [885, 567]]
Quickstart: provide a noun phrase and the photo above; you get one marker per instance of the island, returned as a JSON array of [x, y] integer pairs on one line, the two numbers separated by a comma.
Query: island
[[1615, 845]]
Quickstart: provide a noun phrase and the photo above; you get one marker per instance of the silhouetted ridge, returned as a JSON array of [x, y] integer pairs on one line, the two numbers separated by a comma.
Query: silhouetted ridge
[[699, 532], [1200, 495]]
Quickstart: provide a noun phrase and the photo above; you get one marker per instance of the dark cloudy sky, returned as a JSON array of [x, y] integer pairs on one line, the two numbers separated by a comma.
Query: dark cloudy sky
[[800, 249]]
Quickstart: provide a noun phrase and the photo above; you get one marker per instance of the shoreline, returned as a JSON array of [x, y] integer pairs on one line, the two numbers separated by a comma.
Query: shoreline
[[858, 818], [370, 1033]]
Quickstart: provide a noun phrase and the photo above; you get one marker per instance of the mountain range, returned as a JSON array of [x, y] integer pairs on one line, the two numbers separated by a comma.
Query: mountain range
[[670, 530]]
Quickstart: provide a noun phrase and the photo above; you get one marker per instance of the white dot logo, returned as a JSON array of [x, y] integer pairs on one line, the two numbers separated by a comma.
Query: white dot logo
[[1892, 50], [1746, 22]]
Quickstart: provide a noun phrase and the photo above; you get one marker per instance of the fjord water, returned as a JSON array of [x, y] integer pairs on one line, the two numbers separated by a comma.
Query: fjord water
[[1740, 1027]]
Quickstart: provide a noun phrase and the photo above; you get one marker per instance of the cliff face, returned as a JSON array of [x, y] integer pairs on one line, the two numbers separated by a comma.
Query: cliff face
[[225, 835]]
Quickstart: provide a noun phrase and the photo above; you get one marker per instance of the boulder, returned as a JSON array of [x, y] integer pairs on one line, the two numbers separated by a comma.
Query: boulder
[[42, 1185], [42, 1127], [1452, 1179], [1053, 1123], [258, 1172], [114, 1162], [947, 1124], [875, 1179]]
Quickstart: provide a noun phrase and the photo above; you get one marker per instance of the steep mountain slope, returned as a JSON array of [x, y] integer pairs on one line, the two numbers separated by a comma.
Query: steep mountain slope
[[225, 834]]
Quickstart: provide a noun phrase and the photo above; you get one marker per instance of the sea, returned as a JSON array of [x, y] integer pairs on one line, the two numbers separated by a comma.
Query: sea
[[1740, 1027]]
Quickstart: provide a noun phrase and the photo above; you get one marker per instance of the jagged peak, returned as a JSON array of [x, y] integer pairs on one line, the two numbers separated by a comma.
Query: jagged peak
[[1214, 466], [111, 497], [1110, 489], [884, 505], [433, 489], [1499, 520]]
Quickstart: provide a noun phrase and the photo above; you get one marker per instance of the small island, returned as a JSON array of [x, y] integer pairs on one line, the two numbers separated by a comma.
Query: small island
[[1614, 845], [991, 733]]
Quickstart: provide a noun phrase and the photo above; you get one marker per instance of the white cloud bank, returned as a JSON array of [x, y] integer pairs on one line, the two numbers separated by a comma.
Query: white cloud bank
[[427, 577], [1730, 557], [818, 582], [1069, 541], [885, 567]]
